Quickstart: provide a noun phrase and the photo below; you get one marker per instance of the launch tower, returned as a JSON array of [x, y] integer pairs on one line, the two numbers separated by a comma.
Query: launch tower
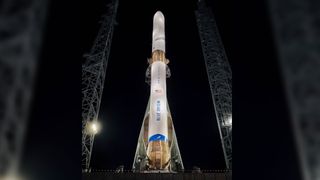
[[219, 76], [93, 75], [22, 25]]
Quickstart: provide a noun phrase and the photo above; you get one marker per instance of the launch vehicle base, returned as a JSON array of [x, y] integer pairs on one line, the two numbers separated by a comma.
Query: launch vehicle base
[[158, 155], [141, 161]]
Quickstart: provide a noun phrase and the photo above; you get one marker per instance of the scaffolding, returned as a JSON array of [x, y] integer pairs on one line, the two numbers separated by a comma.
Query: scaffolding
[[21, 29], [219, 76], [93, 76], [297, 38]]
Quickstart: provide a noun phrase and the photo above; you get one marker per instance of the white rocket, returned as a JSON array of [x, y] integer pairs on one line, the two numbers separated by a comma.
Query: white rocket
[[158, 127], [158, 147]]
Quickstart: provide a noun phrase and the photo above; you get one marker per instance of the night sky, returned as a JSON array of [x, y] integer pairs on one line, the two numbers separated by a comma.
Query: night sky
[[262, 139], [126, 94]]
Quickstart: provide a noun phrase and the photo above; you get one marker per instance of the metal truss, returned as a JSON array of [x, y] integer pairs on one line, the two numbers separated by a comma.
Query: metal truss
[[21, 29], [297, 37], [219, 76], [93, 76]]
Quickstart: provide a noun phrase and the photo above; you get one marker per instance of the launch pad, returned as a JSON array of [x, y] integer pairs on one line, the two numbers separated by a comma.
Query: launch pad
[[105, 175]]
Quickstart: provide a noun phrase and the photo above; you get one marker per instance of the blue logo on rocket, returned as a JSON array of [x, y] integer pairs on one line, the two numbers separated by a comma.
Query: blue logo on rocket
[[157, 137]]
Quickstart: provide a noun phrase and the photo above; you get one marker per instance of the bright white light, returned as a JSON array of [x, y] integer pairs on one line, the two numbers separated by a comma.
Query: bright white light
[[228, 121], [93, 127]]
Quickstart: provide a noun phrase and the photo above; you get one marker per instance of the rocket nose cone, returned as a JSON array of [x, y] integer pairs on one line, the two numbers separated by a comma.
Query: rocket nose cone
[[158, 16], [158, 34]]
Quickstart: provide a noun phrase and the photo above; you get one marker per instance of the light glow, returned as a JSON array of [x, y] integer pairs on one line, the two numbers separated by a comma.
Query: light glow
[[228, 121], [11, 177], [93, 127]]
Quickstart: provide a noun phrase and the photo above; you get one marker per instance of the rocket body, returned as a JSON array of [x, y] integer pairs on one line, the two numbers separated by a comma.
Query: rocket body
[[158, 125], [158, 147]]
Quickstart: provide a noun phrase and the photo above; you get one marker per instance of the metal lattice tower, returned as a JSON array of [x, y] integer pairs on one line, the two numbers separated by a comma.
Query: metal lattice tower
[[297, 37], [21, 29], [219, 76], [93, 75]]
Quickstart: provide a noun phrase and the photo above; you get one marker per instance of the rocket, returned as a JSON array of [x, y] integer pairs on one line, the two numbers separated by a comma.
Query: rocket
[[158, 147]]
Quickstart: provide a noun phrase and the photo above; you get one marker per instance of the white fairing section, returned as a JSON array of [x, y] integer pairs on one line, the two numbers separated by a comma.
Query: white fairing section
[[158, 124], [158, 35]]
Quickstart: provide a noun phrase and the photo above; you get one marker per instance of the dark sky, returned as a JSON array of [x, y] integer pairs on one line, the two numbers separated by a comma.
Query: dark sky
[[126, 94], [262, 139]]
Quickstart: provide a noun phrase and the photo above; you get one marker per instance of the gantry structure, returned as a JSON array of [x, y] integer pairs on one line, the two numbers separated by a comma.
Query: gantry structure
[[21, 29], [219, 76], [297, 38], [93, 76]]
